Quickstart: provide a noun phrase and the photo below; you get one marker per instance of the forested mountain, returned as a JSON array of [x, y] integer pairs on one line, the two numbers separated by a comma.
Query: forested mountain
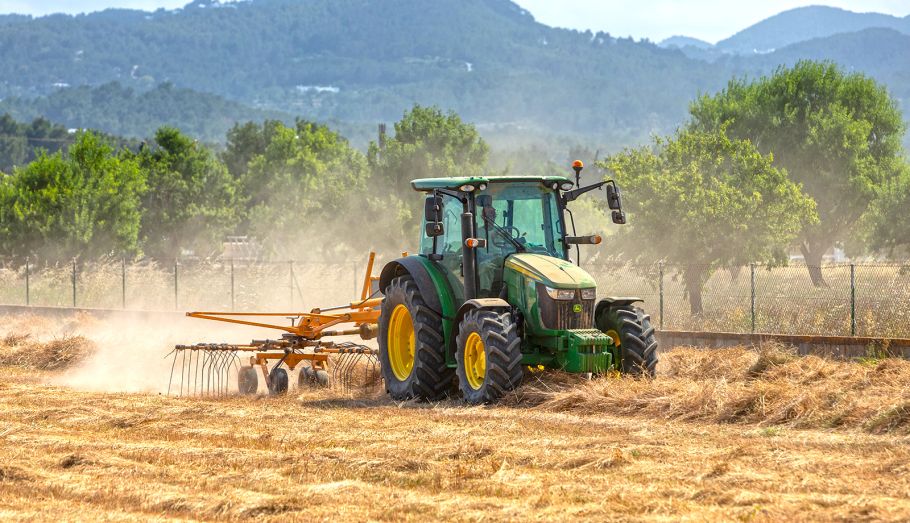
[[364, 60], [685, 41], [358, 62], [124, 111], [806, 23], [881, 53]]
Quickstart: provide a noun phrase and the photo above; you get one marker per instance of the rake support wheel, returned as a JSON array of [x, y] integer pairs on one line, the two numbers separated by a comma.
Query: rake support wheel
[[631, 329], [310, 377], [489, 356], [411, 345], [278, 381], [247, 381]]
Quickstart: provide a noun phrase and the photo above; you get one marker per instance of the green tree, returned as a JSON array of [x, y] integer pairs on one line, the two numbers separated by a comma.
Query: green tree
[[85, 203], [837, 134], [301, 180], [701, 201], [889, 220], [192, 199], [245, 142], [427, 144]]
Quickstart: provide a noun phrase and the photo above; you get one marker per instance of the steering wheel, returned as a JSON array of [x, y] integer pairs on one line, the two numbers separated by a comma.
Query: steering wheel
[[500, 241]]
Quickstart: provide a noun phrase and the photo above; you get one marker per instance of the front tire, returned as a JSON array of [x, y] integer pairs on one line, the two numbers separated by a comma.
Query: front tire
[[489, 356], [631, 330], [411, 345]]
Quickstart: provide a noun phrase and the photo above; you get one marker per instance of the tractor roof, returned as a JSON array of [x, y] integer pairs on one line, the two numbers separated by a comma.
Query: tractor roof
[[428, 184]]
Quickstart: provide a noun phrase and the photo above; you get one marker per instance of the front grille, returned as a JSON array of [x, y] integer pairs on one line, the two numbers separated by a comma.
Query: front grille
[[563, 314]]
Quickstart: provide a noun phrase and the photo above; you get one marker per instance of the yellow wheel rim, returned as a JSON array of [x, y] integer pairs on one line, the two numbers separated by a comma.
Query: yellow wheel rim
[[615, 336], [475, 361], [401, 342]]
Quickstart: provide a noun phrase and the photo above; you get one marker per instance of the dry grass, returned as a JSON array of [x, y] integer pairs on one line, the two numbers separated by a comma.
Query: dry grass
[[719, 436], [768, 387], [23, 350]]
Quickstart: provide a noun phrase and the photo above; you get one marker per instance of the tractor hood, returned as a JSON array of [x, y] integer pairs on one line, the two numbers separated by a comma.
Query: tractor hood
[[552, 272]]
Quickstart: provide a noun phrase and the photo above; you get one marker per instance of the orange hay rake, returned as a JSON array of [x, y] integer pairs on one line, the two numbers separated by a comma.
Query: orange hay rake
[[206, 368]]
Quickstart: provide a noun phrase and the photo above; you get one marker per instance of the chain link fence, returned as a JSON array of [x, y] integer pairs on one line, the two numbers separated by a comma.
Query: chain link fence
[[871, 299], [856, 299]]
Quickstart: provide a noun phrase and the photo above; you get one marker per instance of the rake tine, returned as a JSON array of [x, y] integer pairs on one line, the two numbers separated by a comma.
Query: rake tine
[[182, 371], [211, 381], [219, 372], [171, 379], [199, 374], [235, 365], [222, 373], [207, 378]]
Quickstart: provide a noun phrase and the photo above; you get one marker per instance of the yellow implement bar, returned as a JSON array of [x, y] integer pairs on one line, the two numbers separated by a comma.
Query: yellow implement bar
[[312, 325]]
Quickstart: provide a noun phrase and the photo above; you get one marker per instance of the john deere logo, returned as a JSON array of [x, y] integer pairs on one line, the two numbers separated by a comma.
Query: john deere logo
[[576, 308]]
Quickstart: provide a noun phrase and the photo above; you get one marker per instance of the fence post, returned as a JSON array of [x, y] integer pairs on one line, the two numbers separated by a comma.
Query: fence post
[[176, 300], [27, 289], [232, 285], [852, 299], [74, 283], [661, 286], [752, 275], [123, 282]]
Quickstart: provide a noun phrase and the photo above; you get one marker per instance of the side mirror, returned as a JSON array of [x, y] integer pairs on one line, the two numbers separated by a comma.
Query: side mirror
[[432, 208], [614, 199], [619, 217], [434, 229]]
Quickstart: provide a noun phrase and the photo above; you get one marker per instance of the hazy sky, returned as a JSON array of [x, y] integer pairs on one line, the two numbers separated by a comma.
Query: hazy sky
[[710, 20]]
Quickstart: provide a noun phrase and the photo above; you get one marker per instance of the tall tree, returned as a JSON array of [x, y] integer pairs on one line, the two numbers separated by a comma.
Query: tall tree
[[889, 219], [245, 142], [837, 134], [304, 175], [192, 200], [723, 201], [85, 203], [427, 144]]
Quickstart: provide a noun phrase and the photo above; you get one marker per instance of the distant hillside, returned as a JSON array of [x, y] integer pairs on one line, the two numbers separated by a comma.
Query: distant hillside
[[871, 51], [685, 41], [363, 60], [124, 111], [359, 62], [806, 23]]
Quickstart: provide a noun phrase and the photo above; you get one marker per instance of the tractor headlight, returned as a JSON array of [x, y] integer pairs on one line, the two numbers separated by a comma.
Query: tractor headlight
[[467, 188], [566, 186], [561, 294], [589, 294]]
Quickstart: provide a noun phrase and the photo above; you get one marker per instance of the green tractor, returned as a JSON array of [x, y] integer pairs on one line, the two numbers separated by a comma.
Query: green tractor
[[493, 293]]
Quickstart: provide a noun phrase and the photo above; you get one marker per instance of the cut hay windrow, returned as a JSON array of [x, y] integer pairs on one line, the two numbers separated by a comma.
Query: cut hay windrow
[[770, 386], [23, 350]]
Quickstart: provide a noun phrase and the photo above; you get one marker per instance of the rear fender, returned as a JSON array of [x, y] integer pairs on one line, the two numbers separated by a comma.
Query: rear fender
[[433, 285]]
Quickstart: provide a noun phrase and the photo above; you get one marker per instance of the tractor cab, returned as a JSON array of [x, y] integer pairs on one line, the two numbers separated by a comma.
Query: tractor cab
[[494, 287]]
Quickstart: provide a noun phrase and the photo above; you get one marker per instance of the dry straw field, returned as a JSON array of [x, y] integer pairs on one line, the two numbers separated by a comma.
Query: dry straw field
[[725, 435]]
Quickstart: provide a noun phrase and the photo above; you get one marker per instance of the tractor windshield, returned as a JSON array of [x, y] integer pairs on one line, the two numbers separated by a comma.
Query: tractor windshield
[[525, 218]]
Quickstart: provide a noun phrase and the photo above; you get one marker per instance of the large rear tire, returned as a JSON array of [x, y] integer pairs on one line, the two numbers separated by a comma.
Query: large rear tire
[[489, 356], [411, 345], [631, 330]]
